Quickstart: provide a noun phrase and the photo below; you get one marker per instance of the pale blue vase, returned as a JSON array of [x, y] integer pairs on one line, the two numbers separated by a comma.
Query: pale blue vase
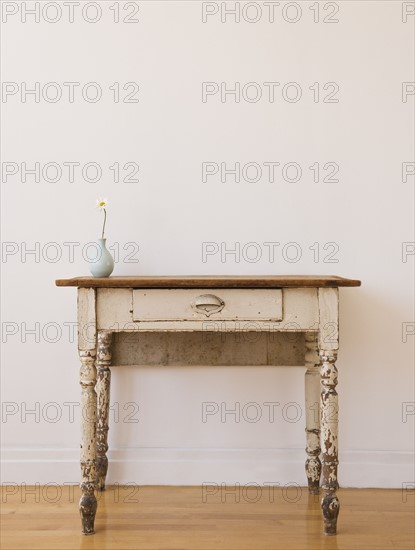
[[103, 265]]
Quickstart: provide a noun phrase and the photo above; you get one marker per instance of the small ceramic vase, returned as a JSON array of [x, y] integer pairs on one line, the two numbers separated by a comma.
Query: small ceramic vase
[[103, 266]]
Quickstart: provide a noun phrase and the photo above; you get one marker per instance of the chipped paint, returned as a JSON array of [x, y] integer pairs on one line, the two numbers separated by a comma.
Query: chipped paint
[[329, 439], [312, 400], [88, 502], [103, 393]]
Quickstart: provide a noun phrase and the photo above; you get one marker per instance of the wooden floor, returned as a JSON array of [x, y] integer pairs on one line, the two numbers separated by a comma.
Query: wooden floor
[[177, 518]]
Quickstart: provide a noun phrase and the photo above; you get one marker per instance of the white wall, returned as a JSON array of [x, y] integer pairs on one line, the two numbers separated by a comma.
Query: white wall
[[170, 212]]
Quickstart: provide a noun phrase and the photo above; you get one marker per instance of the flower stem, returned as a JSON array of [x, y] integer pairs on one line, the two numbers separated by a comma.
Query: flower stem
[[105, 221]]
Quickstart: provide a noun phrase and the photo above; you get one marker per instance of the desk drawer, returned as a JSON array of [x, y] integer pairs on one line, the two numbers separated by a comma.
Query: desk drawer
[[204, 304]]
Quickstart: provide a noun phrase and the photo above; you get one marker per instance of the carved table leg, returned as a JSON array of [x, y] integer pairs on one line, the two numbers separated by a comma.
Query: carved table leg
[[103, 392], [88, 502], [329, 440], [312, 404]]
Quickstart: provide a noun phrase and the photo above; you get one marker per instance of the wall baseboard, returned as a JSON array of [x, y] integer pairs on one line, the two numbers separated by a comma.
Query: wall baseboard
[[177, 466]]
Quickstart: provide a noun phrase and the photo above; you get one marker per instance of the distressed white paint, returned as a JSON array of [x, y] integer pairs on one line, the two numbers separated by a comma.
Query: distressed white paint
[[88, 449], [86, 319], [299, 312], [114, 308], [328, 305], [179, 305], [103, 403], [328, 340], [312, 411], [329, 439], [88, 406]]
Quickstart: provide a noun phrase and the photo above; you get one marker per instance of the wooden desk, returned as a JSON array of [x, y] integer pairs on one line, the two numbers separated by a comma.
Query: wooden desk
[[306, 304]]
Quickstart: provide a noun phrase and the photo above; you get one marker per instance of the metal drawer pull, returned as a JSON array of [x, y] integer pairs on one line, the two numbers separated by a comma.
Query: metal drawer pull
[[208, 304]]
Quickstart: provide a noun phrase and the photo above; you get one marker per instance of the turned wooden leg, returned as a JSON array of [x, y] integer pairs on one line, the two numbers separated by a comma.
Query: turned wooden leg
[[88, 502], [312, 405], [103, 393], [329, 440]]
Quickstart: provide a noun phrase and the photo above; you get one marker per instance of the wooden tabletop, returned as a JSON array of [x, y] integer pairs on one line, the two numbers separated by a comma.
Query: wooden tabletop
[[211, 281]]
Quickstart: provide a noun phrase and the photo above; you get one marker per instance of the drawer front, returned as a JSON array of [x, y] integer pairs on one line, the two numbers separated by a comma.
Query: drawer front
[[207, 304]]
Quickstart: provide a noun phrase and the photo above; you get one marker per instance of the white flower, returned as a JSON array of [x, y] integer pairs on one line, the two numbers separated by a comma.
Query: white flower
[[101, 204]]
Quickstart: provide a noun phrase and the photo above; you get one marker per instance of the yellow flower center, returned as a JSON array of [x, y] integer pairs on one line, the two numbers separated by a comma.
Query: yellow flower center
[[102, 203]]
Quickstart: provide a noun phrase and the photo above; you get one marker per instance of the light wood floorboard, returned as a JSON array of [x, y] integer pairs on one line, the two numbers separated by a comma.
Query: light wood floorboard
[[173, 518]]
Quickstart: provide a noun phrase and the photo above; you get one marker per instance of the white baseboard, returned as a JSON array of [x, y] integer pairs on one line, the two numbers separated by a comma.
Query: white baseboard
[[176, 466]]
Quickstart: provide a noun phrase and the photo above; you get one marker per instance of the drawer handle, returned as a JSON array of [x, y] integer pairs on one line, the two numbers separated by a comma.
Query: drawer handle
[[208, 304]]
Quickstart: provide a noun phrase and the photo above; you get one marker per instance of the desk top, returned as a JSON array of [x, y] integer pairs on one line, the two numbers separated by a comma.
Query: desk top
[[211, 281]]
